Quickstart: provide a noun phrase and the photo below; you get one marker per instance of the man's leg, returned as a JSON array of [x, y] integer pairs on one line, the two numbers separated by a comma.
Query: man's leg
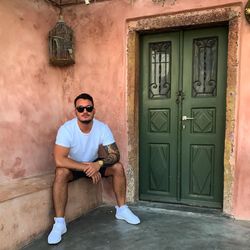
[[60, 196], [118, 181], [60, 190], [119, 186]]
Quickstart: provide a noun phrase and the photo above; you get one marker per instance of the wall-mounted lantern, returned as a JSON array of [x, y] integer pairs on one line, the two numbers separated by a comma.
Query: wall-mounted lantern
[[61, 44], [247, 11]]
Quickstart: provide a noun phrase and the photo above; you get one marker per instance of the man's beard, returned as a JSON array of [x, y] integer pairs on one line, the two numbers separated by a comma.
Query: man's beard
[[86, 122]]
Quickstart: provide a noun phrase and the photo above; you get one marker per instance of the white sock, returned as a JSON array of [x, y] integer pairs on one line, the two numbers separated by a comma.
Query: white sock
[[121, 207], [60, 220]]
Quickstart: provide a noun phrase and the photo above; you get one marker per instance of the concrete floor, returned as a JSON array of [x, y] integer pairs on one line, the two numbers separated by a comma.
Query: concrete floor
[[162, 227]]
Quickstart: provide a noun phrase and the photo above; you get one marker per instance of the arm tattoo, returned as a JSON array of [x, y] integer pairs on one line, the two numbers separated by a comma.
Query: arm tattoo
[[113, 155]]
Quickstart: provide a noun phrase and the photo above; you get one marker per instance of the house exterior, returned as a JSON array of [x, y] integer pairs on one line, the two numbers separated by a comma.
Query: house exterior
[[169, 78]]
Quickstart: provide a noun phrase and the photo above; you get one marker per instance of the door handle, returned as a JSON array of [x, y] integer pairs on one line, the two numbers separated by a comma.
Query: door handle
[[185, 118]]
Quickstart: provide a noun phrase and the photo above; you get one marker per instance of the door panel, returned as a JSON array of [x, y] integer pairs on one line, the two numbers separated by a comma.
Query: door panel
[[182, 116], [158, 116], [204, 85]]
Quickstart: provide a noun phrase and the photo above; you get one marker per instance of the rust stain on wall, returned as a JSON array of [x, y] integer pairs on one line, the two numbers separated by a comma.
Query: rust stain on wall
[[15, 171], [39, 75], [36, 26]]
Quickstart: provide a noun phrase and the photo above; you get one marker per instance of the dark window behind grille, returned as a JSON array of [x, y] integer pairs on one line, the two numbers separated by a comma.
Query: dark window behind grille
[[205, 57], [160, 70]]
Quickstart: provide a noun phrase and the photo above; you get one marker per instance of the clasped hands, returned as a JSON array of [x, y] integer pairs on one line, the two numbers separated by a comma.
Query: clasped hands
[[91, 169]]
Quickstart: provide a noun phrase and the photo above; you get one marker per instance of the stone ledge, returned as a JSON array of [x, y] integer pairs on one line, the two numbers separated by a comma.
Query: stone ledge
[[25, 186], [26, 208]]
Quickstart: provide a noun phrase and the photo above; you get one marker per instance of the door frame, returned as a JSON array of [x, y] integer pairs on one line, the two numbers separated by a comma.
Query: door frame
[[229, 16]]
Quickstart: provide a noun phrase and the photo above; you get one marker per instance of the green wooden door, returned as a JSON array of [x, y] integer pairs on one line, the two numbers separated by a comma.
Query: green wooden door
[[182, 116]]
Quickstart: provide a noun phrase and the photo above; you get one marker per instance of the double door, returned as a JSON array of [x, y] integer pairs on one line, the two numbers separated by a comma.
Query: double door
[[182, 116]]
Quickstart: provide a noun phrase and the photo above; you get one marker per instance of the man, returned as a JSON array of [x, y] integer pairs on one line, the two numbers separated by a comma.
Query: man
[[76, 156]]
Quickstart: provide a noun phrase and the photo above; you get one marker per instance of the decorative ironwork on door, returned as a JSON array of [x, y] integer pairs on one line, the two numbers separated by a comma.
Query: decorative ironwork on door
[[160, 84], [205, 53]]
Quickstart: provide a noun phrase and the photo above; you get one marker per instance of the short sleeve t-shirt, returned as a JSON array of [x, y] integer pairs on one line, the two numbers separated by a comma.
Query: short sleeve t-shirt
[[84, 147]]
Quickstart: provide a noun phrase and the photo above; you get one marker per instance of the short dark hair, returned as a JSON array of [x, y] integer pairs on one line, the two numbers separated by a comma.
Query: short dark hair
[[84, 96]]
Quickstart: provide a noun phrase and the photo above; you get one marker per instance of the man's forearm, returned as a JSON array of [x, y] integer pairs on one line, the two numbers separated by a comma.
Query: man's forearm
[[68, 163]]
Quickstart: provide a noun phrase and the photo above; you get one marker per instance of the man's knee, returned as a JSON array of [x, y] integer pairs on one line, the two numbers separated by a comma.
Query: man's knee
[[63, 175], [118, 169]]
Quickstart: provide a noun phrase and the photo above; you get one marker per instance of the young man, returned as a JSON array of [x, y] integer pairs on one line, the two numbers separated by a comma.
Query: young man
[[76, 156]]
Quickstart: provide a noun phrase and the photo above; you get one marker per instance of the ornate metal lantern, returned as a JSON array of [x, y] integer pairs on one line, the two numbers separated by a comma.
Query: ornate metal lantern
[[61, 44]]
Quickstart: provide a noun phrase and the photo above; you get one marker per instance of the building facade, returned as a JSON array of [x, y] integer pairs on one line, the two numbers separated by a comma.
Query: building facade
[[169, 77]]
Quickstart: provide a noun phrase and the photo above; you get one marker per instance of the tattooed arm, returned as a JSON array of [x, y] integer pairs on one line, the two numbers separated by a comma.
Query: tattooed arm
[[113, 155]]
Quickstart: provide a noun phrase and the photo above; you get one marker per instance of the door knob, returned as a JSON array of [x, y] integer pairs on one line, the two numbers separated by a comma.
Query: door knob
[[185, 118]]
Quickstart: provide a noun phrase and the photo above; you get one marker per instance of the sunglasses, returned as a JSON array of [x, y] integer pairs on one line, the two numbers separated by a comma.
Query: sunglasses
[[81, 109]]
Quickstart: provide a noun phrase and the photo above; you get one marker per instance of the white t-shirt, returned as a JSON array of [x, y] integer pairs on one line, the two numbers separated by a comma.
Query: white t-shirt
[[84, 147]]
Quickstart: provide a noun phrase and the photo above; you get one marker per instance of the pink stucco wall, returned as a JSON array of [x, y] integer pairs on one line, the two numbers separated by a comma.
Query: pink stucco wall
[[241, 203], [36, 98], [30, 90]]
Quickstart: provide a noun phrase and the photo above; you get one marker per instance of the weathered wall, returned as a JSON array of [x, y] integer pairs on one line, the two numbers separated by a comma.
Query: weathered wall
[[36, 98], [30, 100], [241, 203]]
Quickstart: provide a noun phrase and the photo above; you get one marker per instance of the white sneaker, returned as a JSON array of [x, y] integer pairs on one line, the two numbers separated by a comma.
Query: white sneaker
[[56, 233], [124, 213]]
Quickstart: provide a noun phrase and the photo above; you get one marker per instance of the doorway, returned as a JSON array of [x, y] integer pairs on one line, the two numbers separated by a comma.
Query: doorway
[[182, 116]]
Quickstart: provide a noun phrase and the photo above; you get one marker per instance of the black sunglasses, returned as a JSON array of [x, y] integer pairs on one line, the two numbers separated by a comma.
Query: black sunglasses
[[81, 109]]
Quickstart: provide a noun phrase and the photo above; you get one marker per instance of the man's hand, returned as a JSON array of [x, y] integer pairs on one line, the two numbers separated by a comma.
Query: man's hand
[[91, 168], [96, 177]]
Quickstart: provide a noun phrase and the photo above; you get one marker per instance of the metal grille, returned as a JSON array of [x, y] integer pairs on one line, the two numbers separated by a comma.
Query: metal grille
[[160, 68], [205, 57]]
